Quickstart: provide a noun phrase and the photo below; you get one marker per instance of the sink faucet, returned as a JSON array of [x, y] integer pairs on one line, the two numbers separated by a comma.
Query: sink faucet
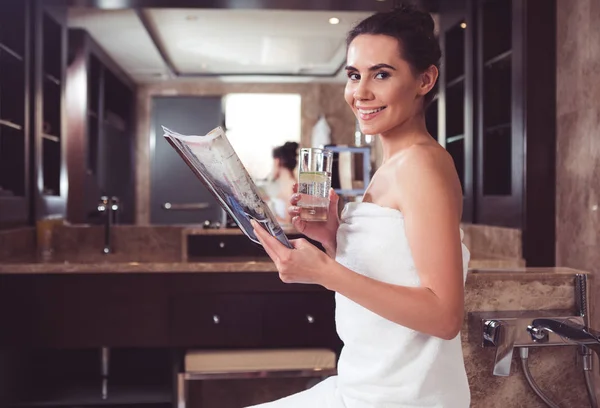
[[108, 207]]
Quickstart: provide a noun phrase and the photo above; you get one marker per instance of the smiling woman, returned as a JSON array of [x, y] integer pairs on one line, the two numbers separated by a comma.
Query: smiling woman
[[396, 260]]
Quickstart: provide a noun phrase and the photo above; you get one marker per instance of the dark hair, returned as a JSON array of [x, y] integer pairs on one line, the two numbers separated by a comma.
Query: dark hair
[[287, 155], [414, 30]]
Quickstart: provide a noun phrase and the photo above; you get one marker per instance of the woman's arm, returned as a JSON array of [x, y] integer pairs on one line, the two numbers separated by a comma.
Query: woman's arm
[[429, 196], [431, 202]]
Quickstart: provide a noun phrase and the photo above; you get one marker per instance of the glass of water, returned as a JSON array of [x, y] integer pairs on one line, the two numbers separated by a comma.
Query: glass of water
[[314, 182]]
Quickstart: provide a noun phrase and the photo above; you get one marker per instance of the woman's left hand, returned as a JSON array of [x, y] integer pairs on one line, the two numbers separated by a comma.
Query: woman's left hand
[[303, 264]]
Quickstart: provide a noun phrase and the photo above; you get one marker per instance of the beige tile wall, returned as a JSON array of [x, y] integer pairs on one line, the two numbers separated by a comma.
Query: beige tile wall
[[578, 140]]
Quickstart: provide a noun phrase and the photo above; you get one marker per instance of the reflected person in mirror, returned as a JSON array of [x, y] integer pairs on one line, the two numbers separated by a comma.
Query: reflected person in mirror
[[285, 160], [395, 260]]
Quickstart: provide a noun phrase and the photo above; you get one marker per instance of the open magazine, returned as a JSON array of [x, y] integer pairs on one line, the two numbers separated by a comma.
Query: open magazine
[[215, 163]]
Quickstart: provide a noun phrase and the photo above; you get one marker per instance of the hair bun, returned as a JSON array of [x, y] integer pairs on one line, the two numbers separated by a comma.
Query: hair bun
[[291, 146], [421, 19]]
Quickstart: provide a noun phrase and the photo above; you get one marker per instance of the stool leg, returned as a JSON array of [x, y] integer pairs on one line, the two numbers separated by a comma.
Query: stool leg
[[182, 391]]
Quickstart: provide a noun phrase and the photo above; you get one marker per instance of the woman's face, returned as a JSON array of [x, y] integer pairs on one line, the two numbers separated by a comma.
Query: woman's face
[[276, 168], [382, 89]]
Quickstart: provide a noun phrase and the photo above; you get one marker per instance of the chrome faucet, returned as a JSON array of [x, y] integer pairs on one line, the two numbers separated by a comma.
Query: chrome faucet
[[506, 330], [565, 328], [108, 207]]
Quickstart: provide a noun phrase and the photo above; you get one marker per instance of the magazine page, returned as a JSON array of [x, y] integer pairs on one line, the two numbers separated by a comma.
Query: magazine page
[[217, 165]]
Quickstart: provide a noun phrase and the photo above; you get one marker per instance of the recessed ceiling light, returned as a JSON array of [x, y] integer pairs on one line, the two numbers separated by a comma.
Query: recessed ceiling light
[[463, 25], [334, 20]]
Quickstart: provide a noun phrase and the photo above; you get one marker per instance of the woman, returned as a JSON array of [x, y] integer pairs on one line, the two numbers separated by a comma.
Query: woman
[[395, 260], [285, 159]]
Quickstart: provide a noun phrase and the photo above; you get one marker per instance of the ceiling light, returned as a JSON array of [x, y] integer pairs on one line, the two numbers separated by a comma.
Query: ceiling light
[[334, 20], [463, 25]]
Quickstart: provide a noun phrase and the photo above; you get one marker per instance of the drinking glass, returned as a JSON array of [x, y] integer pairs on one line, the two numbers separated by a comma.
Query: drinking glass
[[314, 182]]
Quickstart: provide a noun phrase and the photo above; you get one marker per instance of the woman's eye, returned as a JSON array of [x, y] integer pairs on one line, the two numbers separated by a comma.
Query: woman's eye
[[353, 76], [382, 75]]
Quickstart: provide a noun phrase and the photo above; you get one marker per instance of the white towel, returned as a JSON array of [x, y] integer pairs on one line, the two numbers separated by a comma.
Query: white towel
[[383, 364]]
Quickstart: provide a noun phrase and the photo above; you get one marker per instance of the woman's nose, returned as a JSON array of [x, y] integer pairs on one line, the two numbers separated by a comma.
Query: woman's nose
[[362, 91]]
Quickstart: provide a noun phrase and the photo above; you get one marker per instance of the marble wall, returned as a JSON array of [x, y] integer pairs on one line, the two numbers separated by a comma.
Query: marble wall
[[578, 140], [130, 243], [317, 99], [492, 242]]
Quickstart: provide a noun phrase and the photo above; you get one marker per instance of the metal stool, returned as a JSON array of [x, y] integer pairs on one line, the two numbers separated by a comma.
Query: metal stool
[[236, 364]]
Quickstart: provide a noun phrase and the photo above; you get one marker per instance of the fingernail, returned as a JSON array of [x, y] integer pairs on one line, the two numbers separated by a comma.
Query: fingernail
[[253, 223]]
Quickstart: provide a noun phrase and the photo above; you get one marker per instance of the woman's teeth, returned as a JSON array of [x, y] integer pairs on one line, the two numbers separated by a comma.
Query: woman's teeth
[[370, 111]]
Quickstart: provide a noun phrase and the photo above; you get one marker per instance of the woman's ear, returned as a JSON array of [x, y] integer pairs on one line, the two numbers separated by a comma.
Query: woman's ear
[[428, 79]]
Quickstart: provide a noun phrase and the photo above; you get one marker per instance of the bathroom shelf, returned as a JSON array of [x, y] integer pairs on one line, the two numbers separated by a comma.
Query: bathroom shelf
[[366, 167], [10, 124]]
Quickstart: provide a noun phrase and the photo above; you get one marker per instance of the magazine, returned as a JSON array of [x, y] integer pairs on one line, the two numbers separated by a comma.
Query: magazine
[[216, 164]]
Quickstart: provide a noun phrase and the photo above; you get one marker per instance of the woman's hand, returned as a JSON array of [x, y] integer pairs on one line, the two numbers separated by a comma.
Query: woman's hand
[[304, 264], [324, 232]]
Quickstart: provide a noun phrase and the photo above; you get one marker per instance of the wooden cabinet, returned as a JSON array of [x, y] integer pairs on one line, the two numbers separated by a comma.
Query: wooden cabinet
[[217, 320], [232, 246], [48, 113], [56, 325], [214, 247], [456, 83], [307, 318], [100, 100], [14, 113], [32, 132], [164, 310], [497, 110]]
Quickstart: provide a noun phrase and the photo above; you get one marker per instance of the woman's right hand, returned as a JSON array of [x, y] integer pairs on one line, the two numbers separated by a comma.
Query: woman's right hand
[[323, 232]]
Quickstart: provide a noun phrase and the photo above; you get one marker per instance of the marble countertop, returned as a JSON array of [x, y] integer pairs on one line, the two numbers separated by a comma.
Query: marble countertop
[[287, 229], [135, 267], [28, 266]]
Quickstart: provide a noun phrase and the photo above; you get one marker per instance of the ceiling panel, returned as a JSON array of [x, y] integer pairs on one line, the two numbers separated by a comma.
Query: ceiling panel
[[216, 41], [121, 34], [228, 44]]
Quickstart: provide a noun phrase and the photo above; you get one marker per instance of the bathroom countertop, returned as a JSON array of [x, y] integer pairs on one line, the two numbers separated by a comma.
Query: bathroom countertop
[[135, 267], [478, 268], [287, 229]]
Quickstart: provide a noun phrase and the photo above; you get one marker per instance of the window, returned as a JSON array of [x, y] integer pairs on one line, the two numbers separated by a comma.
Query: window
[[256, 123]]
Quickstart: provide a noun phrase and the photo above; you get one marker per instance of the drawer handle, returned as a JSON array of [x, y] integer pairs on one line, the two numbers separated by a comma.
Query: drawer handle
[[185, 206], [216, 319], [221, 244], [310, 319]]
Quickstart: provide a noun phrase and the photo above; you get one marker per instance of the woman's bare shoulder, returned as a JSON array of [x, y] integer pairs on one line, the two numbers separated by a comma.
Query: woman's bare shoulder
[[427, 172], [428, 157]]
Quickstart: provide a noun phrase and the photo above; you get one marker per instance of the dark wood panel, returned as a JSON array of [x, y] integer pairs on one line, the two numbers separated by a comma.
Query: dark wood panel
[[230, 246], [83, 311], [216, 320], [15, 66], [163, 310], [300, 320], [47, 108], [539, 232], [100, 150]]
